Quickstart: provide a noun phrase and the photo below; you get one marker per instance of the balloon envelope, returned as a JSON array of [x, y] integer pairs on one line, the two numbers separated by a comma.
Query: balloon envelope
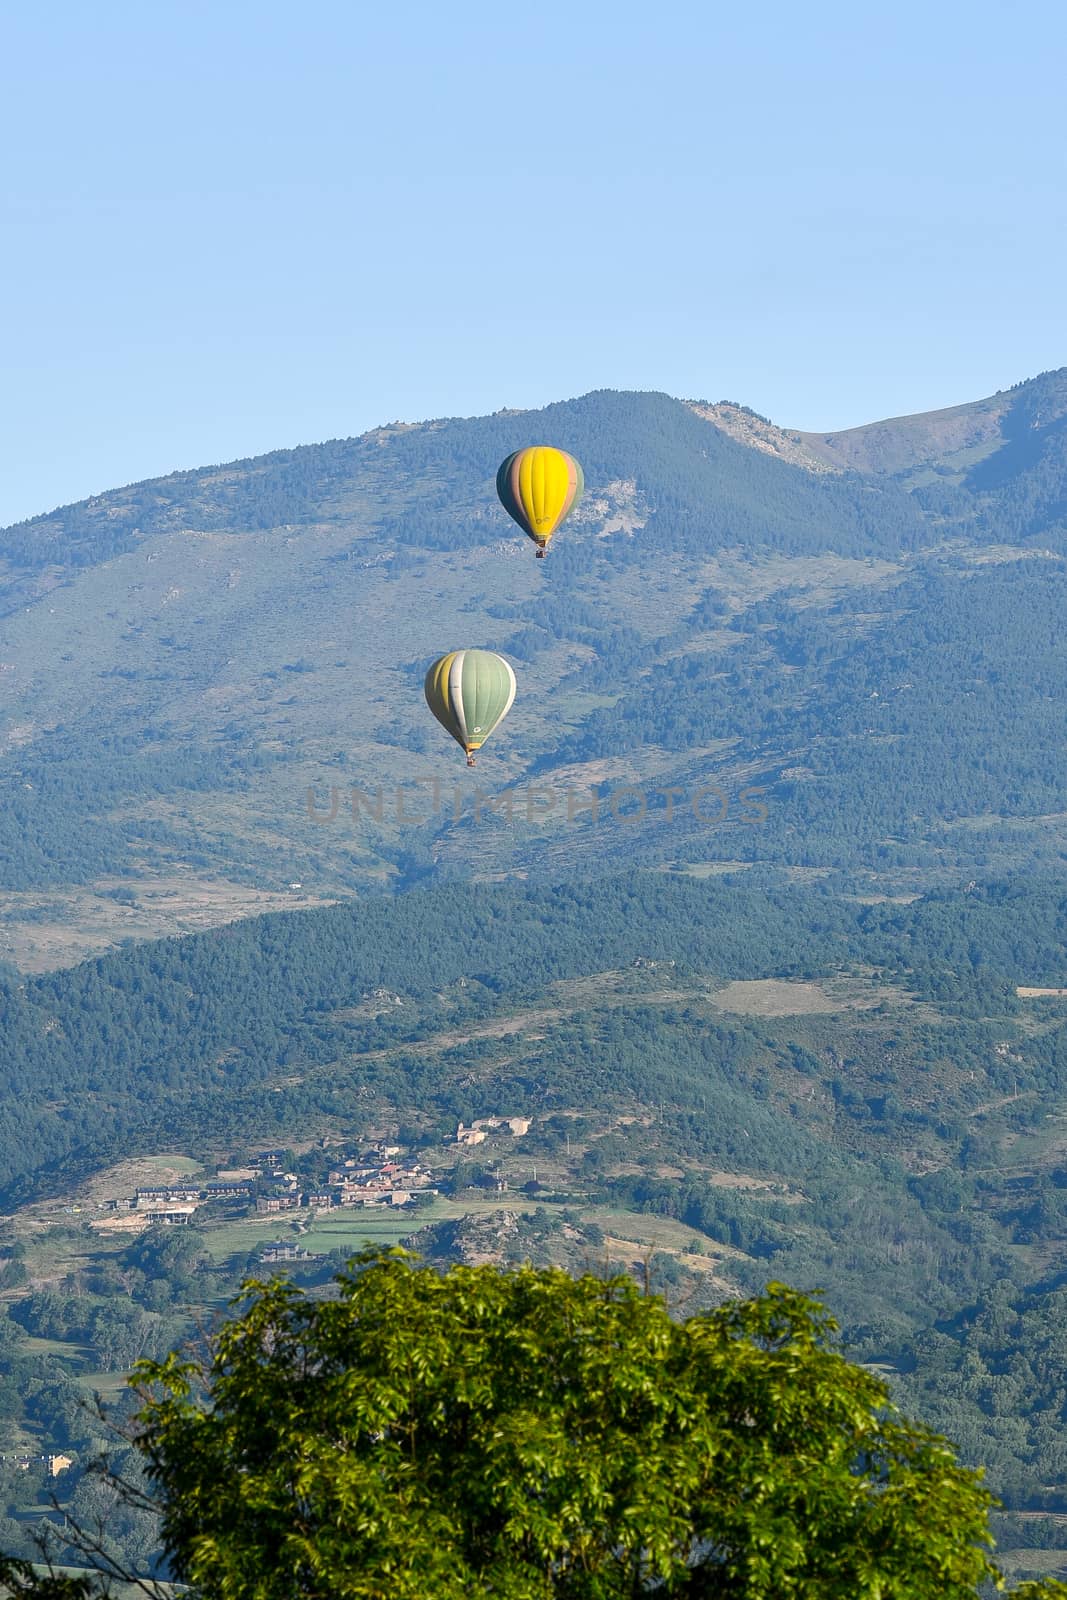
[[470, 692], [538, 486]]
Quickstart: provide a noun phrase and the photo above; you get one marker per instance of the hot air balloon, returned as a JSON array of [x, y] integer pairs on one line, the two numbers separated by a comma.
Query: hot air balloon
[[470, 693], [538, 486]]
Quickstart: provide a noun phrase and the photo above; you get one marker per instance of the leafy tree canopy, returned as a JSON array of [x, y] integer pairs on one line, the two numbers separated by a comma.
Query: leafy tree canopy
[[526, 1434]]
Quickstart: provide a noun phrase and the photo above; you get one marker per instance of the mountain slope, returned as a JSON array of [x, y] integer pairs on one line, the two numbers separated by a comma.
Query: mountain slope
[[992, 440], [181, 662], [901, 444]]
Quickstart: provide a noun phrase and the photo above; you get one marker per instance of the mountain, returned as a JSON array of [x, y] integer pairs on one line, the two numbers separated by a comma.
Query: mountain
[[954, 438], [183, 661], [753, 908], [1017, 425]]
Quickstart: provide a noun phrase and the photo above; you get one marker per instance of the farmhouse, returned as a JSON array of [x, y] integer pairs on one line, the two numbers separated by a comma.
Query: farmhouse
[[268, 1204], [282, 1251], [483, 1126]]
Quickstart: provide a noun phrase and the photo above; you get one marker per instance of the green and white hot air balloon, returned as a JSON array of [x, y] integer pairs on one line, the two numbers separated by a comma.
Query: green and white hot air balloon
[[470, 693]]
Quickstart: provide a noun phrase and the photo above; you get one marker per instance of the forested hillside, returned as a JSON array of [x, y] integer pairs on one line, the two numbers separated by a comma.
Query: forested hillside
[[215, 1018], [849, 1097]]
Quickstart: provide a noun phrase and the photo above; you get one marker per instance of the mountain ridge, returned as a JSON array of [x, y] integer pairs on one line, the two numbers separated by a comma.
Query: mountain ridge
[[881, 447]]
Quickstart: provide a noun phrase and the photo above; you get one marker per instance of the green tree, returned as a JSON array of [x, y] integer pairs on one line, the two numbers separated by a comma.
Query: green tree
[[525, 1434]]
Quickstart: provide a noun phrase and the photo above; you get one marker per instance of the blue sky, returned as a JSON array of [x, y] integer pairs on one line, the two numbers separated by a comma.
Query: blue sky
[[227, 228]]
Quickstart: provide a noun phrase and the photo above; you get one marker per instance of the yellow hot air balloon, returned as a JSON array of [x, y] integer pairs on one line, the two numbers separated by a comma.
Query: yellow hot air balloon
[[470, 692], [538, 486]]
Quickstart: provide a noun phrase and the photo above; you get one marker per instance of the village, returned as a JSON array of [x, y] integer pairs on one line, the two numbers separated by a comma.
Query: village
[[261, 1183], [256, 1183]]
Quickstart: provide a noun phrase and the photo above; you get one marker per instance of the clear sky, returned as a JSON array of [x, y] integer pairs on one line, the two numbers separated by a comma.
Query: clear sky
[[229, 227]]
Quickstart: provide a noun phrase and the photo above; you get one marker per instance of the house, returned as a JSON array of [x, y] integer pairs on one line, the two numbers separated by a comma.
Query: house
[[55, 1463], [417, 1177], [171, 1214], [362, 1197], [376, 1194], [228, 1191], [147, 1198], [283, 1251], [481, 1126], [517, 1126], [268, 1204]]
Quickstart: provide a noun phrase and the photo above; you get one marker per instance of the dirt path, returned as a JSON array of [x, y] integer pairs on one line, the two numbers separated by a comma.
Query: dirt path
[[501, 1028], [1004, 1100]]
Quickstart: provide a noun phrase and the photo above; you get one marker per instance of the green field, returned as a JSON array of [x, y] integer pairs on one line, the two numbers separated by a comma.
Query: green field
[[54, 1347], [662, 1233], [355, 1231], [388, 1227]]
